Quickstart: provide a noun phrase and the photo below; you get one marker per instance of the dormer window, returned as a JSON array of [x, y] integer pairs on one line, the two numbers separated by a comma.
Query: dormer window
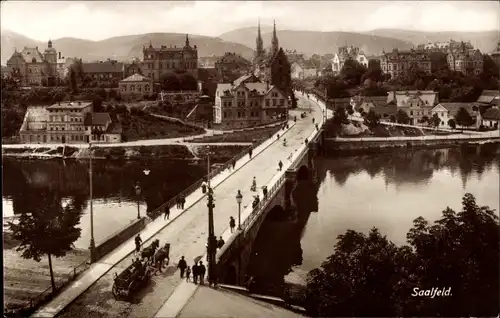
[[33, 60]]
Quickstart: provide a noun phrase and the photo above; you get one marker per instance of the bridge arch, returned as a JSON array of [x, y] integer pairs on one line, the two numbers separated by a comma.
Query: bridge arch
[[303, 173], [276, 213]]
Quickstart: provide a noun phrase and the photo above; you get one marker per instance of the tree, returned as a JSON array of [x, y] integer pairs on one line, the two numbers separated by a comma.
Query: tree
[[372, 119], [49, 229], [435, 120], [452, 123], [459, 251], [463, 118], [402, 117], [72, 80], [187, 82], [374, 71], [170, 82], [351, 72], [424, 120]]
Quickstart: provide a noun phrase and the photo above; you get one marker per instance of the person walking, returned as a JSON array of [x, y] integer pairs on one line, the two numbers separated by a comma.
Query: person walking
[[178, 202], [250, 153], [188, 274], [280, 165], [234, 163], [314, 119], [202, 270], [167, 213], [138, 242], [195, 273], [183, 201], [220, 242], [278, 136], [182, 266], [232, 223], [204, 187]]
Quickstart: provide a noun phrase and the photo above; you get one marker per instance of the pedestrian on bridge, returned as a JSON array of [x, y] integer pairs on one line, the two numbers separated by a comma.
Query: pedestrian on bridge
[[167, 212], [178, 202], [182, 266], [278, 136], [183, 201], [202, 270], [234, 163], [204, 187], [195, 272], [314, 119], [250, 153], [232, 223], [220, 242], [188, 273], [280, 165], [138, 242]]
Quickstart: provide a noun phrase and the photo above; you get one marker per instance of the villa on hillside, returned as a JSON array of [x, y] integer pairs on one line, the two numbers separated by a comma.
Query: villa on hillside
[[68, 122], [248, 102], [416, 104], [137, 84]]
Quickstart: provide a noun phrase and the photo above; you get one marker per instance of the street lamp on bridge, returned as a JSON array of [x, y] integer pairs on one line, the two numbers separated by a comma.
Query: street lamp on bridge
[[92, 241], [239, 198], [138, 192], [212, 241]]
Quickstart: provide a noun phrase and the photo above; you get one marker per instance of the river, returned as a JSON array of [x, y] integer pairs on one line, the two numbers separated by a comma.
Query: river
[[115, 200], [387, 191]]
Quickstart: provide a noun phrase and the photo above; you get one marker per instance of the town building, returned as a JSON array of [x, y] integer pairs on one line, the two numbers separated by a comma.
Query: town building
[[303, 69], [416, 104], [207, 61], [137, 84], [489, 98], [465, 60], [448, 111], [33, 68], [345, 53], [397, 63], [491, 117], [67, 122], [293, 56], [232, 66], [495, 55], [248, 102], [444, 46], [109, 71], [159, 61]]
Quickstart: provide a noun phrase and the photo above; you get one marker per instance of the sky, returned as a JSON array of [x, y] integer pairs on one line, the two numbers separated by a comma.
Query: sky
[[97, 20]]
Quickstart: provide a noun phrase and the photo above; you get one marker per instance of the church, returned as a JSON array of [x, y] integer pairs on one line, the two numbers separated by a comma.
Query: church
[[273, 66]]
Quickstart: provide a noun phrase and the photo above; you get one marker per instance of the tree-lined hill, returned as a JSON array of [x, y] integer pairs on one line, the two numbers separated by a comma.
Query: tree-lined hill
[[121, 47], [315, 42]]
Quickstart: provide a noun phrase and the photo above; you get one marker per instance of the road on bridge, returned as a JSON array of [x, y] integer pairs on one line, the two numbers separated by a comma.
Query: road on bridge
[[188, 233]]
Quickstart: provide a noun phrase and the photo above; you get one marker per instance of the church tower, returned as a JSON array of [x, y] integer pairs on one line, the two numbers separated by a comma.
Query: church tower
[[274, 44], [259, 49]]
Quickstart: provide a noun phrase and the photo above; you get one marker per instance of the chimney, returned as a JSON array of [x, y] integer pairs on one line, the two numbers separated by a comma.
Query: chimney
[[267, 85], [79, 103], [59, 55]]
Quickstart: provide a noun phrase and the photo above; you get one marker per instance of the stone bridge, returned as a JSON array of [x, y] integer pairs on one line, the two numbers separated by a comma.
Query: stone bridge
[[234, 256]]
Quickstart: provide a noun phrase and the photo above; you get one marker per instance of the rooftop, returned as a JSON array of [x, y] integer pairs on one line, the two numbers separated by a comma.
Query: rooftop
[[492, 114], [136, 78], [209, 302], [487, 96], [103, 67], [454, 107], [71, 105]]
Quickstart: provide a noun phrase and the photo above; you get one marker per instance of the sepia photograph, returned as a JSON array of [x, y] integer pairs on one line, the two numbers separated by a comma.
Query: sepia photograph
[[205, 159]]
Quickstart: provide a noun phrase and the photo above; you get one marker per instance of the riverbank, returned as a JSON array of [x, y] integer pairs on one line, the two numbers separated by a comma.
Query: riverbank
[[338, 147], [219, 152]]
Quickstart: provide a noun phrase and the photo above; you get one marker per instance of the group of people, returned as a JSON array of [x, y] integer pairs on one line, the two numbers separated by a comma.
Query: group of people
[[198, 270], [180, 201]]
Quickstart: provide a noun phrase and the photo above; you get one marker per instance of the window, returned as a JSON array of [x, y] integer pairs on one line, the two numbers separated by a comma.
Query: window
[[274, 102], [267, 103]]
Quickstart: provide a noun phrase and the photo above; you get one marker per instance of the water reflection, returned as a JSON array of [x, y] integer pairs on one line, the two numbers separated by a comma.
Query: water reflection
[[387, 190], [25, 183]]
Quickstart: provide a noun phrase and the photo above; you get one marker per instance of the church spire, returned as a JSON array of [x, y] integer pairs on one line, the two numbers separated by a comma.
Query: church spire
[[187, 40], [259, 49], [275, 44]]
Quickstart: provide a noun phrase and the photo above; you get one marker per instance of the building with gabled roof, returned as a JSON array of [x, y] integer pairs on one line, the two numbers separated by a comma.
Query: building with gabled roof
[[248, 102], [345, 53], [397, 63], [448, 111], [466, 60], [303, 69], [489, 97], [416, 104], [32, 68], [231, 66], [491, 117], [137, 84], [67, 123]]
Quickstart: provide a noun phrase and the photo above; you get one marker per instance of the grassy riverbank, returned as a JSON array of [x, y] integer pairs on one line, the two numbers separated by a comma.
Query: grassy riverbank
[[178, 152]]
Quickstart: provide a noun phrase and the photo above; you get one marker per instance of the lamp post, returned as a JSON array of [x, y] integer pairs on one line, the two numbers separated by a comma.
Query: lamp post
[[239, 198], [92, 241], [138, 191], [211, 232]]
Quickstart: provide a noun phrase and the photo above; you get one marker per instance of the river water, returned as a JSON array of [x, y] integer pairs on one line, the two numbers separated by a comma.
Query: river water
[[387, 191], [115, 200]]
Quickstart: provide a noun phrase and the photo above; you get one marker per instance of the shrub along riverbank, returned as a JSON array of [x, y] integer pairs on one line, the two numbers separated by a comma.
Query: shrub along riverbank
[[178, 152]]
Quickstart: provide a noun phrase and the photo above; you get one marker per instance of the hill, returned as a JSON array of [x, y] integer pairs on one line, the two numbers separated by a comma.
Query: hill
[[485, 41], [315, 42], [122, 47]]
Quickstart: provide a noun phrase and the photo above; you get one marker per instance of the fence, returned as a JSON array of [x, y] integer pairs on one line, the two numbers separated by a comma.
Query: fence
[[486, 136], [48, 294]]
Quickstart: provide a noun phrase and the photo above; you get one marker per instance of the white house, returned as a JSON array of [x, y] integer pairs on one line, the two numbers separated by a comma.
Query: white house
[[447, 111], [491, 117], [303, 69]]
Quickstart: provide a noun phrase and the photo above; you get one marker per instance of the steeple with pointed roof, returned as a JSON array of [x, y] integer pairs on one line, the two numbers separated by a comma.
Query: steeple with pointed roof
[[187, 39], [259, 49], [274, 44]]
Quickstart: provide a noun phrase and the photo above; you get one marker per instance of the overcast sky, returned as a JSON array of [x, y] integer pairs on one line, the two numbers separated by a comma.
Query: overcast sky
[[97, 20]]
